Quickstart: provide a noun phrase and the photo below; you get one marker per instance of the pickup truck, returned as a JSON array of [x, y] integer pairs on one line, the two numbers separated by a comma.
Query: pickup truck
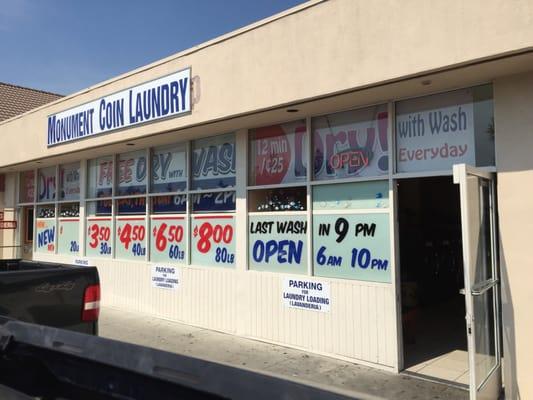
[[39, 362], [58, 295]]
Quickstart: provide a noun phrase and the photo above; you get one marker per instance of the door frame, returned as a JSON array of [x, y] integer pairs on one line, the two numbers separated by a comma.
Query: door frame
[[484, 172], [400, 339]]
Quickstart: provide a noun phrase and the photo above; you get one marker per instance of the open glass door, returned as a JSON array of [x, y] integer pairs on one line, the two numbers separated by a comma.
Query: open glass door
[[477, 194]]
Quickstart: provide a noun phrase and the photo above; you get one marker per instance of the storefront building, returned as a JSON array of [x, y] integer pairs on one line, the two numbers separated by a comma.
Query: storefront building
[[347, 179]]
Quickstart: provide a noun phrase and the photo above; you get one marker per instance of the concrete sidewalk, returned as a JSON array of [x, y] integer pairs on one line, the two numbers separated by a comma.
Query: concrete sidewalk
[[316, 370]]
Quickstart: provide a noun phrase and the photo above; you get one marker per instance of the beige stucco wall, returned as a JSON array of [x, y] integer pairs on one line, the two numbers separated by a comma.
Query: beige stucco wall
[[321, 48], [514, 146]]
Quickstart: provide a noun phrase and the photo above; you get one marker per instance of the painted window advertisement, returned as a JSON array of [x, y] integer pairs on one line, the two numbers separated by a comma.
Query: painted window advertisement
[[277, 154], [98, 239], [131, 173], [46, 178], [352, 246], [69, 181], [351, 231], [278, 243], [27, 187], [169, 172], [213, 240], [435, 132], [100, 177], [130, 237], [45, 233], [213, 162], [132, 206], [169, 204], [68, 229], [351, 144], [168, 238], [213, 202]]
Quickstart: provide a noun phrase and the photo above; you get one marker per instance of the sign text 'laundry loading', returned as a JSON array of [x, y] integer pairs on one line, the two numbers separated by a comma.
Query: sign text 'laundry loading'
[[161, 98]]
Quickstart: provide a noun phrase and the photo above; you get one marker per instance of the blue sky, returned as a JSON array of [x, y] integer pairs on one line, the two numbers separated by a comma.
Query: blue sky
[[63, 46]]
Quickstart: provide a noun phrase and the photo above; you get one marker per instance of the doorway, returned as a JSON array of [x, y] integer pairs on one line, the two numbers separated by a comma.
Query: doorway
[[432, 277], [27, 233]]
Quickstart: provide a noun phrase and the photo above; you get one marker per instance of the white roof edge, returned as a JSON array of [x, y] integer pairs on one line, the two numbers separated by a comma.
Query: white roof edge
[[194, 49]]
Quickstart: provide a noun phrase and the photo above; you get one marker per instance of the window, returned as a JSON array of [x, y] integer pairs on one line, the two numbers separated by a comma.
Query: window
[[45, 229], [46, 184], [69, 229], [351, 231], [278, 200], [69, 182], [27, 187], [351, 144], [131, 173], [277, 154], [210, 202], [98, 239], [213, 162], [277, 237], [130, 229], [169, 229], [100, 177], [213, 219], [169, 169], [435, 132]]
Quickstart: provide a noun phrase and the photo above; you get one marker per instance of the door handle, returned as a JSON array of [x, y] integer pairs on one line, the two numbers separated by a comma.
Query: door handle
[[478, 290]]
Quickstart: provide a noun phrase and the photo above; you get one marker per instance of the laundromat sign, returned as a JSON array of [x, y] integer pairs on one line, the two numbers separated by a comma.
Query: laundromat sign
[[165, 97]]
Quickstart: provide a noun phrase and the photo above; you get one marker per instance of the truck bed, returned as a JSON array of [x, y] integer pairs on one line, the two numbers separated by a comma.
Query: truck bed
[[46, 293]]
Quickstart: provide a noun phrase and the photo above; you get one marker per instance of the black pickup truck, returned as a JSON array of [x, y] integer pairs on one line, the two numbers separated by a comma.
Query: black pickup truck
[[58, 295], [39, 362]]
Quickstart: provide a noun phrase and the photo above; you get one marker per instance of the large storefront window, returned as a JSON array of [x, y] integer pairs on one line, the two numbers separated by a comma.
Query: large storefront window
[[351, 144], [324, 186], [277, 237], [435, 132]]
